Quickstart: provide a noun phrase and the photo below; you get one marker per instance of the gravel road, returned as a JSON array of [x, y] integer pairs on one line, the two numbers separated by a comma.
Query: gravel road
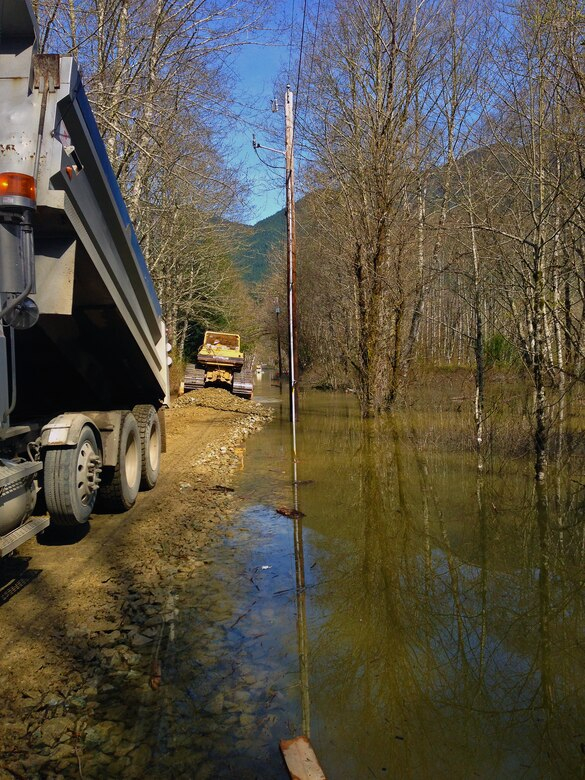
[[75, 610]]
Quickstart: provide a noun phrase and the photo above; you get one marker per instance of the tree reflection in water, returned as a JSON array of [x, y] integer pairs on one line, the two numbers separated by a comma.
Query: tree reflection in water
[[446, 622], [442, 612]]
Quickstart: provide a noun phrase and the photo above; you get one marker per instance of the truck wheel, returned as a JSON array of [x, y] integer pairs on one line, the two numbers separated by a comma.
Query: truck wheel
[[121, 483], [151, 441], [71, 479]]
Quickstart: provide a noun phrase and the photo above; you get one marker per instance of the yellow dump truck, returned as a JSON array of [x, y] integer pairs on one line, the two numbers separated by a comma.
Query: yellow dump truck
[[220, 363]]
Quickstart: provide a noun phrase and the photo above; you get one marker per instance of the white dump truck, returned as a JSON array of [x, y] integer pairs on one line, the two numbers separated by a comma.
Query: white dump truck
[[83, 353]]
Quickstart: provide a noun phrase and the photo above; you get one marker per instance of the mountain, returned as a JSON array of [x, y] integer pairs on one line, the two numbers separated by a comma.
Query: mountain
[[259, 241], [256, 242]]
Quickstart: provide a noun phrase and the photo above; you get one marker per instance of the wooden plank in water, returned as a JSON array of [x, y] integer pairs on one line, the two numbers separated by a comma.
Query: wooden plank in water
[[300, 759]]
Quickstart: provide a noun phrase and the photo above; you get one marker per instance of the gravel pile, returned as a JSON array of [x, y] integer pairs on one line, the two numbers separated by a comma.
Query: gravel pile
[[222, 400]]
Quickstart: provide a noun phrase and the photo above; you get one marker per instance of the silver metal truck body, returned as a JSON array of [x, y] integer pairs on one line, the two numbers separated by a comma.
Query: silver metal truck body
[[83, 339]]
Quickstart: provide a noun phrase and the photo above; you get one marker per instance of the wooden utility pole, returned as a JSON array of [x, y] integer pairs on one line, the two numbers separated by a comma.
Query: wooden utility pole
[[291, 255], [277, 311]]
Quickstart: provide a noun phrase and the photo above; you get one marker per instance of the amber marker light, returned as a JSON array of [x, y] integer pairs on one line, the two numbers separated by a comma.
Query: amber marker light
[[17, 185]]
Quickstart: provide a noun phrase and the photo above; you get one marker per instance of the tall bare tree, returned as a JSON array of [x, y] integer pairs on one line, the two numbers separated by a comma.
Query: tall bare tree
[[157, 77], [373, 78]]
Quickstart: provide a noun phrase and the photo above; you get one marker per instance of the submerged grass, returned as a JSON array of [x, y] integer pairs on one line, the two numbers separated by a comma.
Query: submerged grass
[[441, 415]]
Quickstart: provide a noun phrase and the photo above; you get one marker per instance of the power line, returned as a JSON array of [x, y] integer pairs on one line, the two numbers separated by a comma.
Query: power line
[[267, 164], [255, 145], [300, 57], [290, 44], [309, 82]]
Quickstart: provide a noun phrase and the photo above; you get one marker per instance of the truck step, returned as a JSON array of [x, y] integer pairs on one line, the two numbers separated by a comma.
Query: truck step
[[10, 541]]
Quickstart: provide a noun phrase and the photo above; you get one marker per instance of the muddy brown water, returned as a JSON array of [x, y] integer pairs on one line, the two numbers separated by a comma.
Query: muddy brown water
[[418, 621]]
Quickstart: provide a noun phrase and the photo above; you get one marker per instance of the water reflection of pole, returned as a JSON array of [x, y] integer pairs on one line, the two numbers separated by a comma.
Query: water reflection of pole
[[302, 626], [302, 634]]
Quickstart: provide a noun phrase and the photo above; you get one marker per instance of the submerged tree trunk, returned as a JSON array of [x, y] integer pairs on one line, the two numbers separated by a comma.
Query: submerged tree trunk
[[478, 348]]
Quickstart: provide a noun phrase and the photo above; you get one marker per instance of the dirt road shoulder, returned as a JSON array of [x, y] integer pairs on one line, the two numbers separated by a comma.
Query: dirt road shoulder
[[74, 609]]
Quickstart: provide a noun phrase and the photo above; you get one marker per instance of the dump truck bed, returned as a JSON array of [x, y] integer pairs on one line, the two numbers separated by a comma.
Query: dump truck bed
[[100, 335]]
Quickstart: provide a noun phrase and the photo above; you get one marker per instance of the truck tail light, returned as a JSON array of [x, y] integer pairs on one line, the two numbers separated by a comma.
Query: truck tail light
[[17, 185]]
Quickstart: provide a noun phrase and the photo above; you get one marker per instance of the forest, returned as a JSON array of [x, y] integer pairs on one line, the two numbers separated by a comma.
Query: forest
[[446, 220], [158, 79], [441, 146]]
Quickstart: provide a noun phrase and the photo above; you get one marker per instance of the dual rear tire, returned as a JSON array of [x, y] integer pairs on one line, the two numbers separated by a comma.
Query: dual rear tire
[[149, 428], [72, 474], [121, 483], [71, 479]]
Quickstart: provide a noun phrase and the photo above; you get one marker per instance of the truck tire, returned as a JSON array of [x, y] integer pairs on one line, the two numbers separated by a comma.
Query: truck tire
[[71, 479], [151, 444], [120, 484]]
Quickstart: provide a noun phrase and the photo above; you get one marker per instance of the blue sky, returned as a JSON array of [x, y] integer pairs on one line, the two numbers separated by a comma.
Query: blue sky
[[257, 69], [261, 71]]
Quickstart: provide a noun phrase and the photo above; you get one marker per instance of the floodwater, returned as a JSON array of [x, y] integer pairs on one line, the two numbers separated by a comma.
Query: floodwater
[[418, 621]]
